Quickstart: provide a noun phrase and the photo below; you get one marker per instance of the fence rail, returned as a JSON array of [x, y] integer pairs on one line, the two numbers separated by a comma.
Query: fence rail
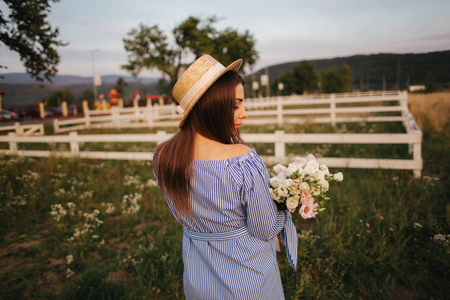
[[322, 108], [279, 138], [24, 129]]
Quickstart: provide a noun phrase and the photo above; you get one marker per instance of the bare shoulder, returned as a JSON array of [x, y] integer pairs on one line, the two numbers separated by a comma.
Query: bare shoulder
[[239, 149]]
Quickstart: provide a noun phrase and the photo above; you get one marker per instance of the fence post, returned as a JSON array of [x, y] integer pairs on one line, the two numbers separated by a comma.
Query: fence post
[[64, 108], [12, 144], [417, 157], [161, 136], [41, 110], [115, 116], [333, 110], [41, 129], [279, 111], [173, 108], [19, 130], [87, 114], [150, 116], [156, 112], [280, 146], [74, 146], [403, 101], [55, 126]]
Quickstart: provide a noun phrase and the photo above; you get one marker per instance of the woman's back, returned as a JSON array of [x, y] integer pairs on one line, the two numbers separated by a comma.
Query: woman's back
[[229, 245], [206, 149]]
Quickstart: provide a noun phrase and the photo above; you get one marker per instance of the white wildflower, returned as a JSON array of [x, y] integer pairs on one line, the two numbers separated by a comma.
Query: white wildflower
[[152, 183], [69, 273], [69, 259], [58, 211]]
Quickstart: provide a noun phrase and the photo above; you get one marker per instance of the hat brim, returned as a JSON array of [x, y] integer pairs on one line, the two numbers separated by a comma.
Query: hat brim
[[234, 66]]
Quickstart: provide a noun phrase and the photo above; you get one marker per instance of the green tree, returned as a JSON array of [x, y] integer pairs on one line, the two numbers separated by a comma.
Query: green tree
[[121, 85], [337, 79], [302, 79], [306, 77], [431, 85], [288, 80], [27, 32], [163, 86], [148, 47], [86, 94], [58, 97]]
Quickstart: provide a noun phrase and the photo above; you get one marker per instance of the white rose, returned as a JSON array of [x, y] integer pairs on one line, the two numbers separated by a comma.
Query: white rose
[[294, 191], [274, 195], [301, 161], [282, 191], [323, 170], [275, 182], [291, 204], [313, 176], [282, 176], [291, 169], [311, 167], [279, 168], [316, 193], [304, 186], [288, 183], [324, 184], [338, 176], [310, 157]]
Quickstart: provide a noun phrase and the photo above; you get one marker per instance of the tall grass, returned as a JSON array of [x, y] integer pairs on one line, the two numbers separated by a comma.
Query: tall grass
[[83, 229]]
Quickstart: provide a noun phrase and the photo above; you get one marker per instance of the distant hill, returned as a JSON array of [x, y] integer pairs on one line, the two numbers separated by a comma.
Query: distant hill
[[22, 90], [413, 68], [61, 80]]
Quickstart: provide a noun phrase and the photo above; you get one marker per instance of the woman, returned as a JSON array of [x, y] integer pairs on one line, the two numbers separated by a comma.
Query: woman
[[217, 188]]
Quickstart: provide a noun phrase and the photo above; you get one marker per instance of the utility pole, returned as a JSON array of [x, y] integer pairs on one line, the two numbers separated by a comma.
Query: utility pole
[[398, 74], [94, 75]]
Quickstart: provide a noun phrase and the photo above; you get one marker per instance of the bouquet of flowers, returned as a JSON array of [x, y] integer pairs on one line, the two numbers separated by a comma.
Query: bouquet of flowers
[[303, 182]]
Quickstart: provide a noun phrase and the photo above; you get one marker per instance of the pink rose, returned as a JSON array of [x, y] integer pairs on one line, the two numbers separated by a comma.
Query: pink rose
[[301, 161], [310, 157], [307, 210], [279, 168], [306, 197], [297, 182]]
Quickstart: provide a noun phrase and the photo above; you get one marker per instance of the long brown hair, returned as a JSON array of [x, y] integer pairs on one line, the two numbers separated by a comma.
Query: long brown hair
[[212, 117]]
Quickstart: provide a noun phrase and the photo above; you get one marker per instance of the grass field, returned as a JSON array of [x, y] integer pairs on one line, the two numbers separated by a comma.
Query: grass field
[[83, 229]]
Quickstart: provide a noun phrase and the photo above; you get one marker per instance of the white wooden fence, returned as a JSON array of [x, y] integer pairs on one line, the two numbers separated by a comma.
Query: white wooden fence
[[383, 106], [128, 117], [24, 129], [279, 138], [389, 107]]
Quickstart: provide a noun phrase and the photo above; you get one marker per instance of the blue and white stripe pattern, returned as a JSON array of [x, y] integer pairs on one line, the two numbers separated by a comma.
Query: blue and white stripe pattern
[[229, 242]]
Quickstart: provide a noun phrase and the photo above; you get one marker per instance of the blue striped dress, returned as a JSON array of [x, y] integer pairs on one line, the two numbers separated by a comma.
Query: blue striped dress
[[229, 241]]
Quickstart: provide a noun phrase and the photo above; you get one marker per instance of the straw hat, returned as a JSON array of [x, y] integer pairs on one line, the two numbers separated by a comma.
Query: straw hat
[[194, 82]]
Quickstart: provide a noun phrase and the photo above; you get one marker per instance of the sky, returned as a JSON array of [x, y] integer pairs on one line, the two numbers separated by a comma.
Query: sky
[[284, 30]]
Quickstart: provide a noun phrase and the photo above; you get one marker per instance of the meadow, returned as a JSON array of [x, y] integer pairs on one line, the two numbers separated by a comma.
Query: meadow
[[99, 229]]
